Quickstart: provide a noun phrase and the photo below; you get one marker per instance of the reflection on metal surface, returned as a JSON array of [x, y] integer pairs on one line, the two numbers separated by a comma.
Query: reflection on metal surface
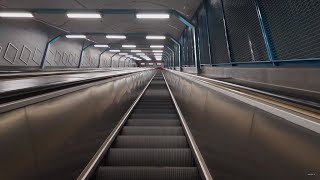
[[239, 140]]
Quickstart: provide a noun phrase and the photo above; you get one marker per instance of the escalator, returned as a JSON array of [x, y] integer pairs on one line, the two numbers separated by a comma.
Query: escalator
[[152, 144]]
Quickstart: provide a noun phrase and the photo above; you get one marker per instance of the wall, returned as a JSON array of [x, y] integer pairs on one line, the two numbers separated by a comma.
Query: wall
[[23, 43], [55, 139], [255, 33]]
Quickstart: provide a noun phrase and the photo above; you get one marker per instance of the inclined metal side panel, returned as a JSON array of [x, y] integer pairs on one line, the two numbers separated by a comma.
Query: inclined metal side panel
[[55, 139], [239, 141], [16, 148]]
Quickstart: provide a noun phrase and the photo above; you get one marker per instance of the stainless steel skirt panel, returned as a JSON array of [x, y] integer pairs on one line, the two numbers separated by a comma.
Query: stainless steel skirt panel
[[240, 141], [55, 139]]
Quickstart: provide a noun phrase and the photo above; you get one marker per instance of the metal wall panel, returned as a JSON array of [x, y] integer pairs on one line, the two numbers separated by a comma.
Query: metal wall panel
[[245, 37], [22, 43], [55, 139], [293, 27], [218, 40]]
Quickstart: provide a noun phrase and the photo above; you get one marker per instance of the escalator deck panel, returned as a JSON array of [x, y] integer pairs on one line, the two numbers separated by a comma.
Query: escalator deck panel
[[152, 144]]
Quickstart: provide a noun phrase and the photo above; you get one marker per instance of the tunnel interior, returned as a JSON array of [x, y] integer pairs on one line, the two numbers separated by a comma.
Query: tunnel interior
[[159, 89]]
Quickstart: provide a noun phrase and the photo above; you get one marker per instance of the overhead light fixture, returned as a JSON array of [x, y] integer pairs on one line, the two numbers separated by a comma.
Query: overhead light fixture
[[157, 51], [140, 54], [156, 37], [156, 46], [16, 14], [74, 36], [129, 56], [136, 51], [114, 50], [153, 15], [129, 46], [101, 45], [123, 54], [84, 15], [116, 37], [158, 54]]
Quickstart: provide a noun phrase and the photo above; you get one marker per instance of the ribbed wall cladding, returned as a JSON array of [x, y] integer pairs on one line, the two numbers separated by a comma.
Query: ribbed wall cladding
[[152, 144]]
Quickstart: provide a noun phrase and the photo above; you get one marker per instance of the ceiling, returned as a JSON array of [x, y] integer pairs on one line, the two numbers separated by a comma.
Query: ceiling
[[111, 23]]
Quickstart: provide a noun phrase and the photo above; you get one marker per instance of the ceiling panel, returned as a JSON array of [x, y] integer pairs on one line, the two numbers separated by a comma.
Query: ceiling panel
[[111, 23]]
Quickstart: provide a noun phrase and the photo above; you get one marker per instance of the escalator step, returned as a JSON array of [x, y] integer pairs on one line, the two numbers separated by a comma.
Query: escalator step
[[152, 131], [154, 116], [150, 142], [150, 157], [148, 173], [155, 106], [156, 111], [156, 122]]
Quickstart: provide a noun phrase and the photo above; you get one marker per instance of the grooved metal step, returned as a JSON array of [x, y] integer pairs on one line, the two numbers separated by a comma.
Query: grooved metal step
[[150, 157], [154, 111], [150, 142], [148, 173], [152, 131], [148, 122], [154, 116]]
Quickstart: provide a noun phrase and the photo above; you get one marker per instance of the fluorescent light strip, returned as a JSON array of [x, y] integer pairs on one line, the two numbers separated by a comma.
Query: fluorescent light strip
[[156, 37], [157, 51], [116, 37], [16, 14], [158, 54], [153, 16], [114, 50], [156, 46], [101, 46], [136, 51], [84, 15], [129, 46], [70, 36], [140, 54]]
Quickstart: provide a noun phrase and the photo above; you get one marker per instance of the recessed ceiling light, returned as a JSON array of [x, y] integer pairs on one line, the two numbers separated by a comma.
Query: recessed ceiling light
[[116, 37], [153, 15], [157, 51], [129, 46], [16, 14], [156, 37], [156, 46], [136, 51], [101, 46], [84, 15], [114, 50], [71, 36]]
